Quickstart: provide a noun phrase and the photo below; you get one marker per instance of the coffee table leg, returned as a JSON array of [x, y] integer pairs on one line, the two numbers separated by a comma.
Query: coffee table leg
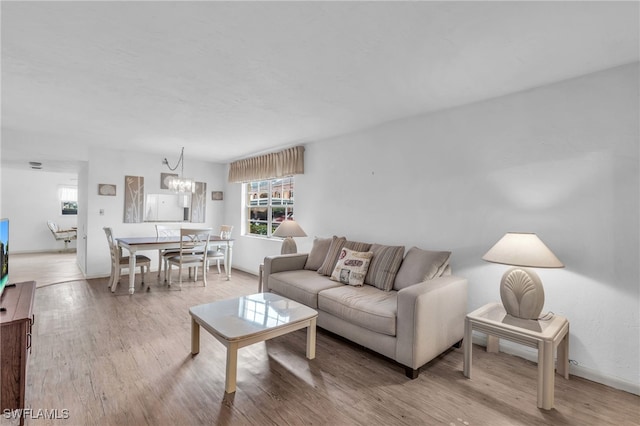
[[311, 339], [232, 368], [195, 337]]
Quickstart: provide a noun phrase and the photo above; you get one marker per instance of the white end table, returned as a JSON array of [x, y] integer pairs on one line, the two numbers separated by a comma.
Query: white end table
[[545, 335]]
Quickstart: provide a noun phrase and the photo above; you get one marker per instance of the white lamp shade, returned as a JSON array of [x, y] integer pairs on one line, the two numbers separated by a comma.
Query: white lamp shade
[[522, 249], [289, 228]]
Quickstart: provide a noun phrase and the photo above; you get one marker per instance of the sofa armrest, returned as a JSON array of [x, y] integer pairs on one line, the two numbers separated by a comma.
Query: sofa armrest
[[430, 319], [284, 262]]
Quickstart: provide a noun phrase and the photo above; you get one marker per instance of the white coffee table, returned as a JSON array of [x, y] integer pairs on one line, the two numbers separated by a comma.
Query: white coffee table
[[246, 320]]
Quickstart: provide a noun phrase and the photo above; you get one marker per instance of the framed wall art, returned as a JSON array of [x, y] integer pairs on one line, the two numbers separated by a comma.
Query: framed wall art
[[106, 189], [164, 179], [199, 203], [133, 199]]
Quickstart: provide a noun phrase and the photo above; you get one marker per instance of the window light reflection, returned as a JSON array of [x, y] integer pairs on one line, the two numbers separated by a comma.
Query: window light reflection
[[263, 312]]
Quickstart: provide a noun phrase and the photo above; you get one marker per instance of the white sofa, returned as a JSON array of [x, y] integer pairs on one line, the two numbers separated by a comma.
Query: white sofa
[[409, 322]]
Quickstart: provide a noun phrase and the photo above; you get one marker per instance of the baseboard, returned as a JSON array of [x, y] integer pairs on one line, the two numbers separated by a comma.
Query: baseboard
[[576, 370], [69, 250], [248, 271], [90, 277]]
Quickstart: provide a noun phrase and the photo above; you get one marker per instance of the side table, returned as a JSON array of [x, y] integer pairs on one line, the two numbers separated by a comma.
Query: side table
[[545, 335]]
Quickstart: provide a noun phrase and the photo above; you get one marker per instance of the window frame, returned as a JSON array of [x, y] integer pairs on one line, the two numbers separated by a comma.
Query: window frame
[[271, 187], [68, 199]]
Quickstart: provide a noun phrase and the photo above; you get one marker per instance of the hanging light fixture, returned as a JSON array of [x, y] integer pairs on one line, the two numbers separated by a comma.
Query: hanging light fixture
[[180, 183]]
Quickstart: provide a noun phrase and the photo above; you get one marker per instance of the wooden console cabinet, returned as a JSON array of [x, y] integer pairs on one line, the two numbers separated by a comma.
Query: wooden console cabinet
[[15, 343]]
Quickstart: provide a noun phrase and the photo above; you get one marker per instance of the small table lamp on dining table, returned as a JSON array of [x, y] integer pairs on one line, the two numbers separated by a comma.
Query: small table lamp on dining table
[[521, 289], [289, 229]]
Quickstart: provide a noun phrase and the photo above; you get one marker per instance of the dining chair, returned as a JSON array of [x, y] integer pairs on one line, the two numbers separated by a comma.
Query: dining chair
[[194, 248], [219, 253], [164, 254], [120, 262]]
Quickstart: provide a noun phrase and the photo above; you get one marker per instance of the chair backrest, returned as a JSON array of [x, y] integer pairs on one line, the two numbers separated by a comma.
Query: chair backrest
[[52, 227], [167, 231], [54, 230], [225, 231], [114, 250], [194, 240]]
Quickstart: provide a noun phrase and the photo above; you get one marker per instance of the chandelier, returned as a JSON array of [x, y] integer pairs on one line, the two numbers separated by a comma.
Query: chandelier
[[179, 183]]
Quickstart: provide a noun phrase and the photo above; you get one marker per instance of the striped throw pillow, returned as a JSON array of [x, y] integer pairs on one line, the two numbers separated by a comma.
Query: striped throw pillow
[[384, 266], [332, 256]]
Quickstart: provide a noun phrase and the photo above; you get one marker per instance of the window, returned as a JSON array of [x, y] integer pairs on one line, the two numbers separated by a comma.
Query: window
[[68, 196], [268, 203]]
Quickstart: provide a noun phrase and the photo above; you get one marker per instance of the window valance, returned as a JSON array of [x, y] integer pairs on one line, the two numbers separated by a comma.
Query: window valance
[[273, 165]]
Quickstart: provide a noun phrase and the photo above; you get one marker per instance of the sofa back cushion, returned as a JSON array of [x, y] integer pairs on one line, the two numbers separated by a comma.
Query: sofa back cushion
[[420, 265], [352, 267], [318, 253], [332, 256], [337, 243], [357, 246], [384, 266]]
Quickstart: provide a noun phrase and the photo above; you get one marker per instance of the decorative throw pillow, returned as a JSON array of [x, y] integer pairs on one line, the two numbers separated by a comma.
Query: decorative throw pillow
[[332, 256], [318, 253], [352, 267], [420, 265], [384, 266]]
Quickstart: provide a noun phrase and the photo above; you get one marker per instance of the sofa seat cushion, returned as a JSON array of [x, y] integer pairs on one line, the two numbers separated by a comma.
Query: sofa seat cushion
[[301, 285], [366, 306]]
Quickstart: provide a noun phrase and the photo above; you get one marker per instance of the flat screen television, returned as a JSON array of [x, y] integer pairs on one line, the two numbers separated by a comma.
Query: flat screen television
[[4, 254]]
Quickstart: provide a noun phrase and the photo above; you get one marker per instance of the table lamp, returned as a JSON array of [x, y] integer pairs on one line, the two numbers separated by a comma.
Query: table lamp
[[521, 289], [289, 229]]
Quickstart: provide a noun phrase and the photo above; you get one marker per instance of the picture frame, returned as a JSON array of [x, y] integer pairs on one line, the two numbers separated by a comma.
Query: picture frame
[[199, 203], [164, 177], [69, 208], [217, 195], [133, 199], [107, 189]]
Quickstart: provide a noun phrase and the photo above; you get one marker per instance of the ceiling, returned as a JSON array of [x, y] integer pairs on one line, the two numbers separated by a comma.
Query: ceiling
[[230, 79]]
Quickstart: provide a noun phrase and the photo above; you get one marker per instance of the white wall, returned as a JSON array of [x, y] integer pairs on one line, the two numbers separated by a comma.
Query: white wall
[[29, 200], [560, 160], [111, 166]]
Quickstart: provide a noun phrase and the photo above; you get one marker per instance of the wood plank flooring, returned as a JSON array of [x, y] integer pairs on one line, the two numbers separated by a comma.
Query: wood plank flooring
[[115, 359], [44, 268]]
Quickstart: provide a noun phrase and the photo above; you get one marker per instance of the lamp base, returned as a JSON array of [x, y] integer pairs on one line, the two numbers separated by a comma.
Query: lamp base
[[288, 246], [522, 293]]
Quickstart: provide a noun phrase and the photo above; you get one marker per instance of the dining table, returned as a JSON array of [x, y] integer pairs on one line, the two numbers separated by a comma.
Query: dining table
[[136, 244]]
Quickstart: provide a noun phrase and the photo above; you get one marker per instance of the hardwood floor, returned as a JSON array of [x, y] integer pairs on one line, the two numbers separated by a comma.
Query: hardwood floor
[[44, 268], [115, 359]]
